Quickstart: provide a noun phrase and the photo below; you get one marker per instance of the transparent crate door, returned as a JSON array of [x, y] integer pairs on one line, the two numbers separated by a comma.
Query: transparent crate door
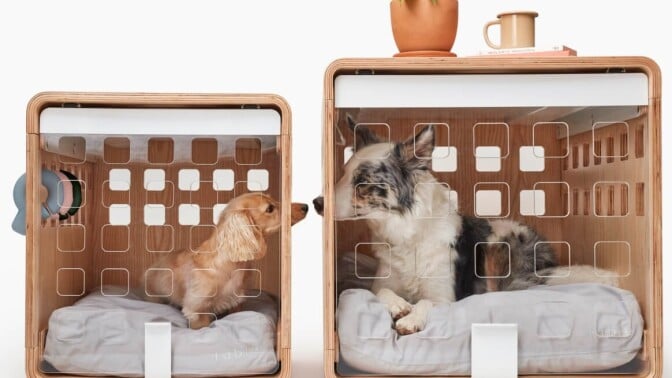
[[575, 169]]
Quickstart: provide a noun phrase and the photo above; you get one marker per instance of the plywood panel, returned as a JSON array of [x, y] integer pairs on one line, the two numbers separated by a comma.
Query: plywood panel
[[62, 274], [608, 231]]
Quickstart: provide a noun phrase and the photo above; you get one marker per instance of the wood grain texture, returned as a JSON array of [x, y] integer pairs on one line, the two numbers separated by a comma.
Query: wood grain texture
[[120, 254], [640, 169]]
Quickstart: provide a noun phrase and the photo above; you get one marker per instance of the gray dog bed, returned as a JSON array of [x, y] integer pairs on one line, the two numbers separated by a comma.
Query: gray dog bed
[[104, 335], [561, 329]]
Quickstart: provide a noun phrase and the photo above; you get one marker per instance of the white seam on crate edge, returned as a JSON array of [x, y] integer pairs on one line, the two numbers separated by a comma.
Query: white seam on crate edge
[[83, 121], [494, 90]]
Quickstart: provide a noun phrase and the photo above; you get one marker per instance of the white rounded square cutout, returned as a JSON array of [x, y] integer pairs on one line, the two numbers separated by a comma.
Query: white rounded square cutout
[[189, 214], [120, 179], [119, 214], [532, 202], [217, 212], [189, 179], [155, 215], [444, 159], [223, 179], [257, 180], [531, 159], [155, 180], [488, 158], [488, 203]]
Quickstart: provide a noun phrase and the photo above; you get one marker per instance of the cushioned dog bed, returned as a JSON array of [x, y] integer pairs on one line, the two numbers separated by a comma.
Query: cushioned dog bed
[[561, 329], [105, 335], [568, 328]]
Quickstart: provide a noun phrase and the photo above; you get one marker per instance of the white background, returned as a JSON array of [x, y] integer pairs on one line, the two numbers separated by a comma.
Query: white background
[[254, 46]]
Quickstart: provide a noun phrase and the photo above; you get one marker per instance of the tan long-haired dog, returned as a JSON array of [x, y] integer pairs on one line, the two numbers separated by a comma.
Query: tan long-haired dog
[[203, 283]]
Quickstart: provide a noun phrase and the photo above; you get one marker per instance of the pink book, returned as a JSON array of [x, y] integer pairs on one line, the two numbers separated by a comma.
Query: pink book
[[529, 51]]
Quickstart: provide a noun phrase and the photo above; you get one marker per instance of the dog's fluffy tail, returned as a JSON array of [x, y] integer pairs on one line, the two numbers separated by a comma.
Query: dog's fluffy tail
[[578, 274], [565, 275]]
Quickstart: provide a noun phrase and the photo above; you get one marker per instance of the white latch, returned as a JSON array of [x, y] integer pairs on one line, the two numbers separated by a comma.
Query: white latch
[[157, 350], [494, 350]]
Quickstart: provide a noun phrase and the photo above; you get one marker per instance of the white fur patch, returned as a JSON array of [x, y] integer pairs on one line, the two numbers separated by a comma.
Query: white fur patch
[[421, 253]]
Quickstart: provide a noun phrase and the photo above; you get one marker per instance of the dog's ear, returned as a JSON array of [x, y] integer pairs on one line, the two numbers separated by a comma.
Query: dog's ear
[[239, 238], [363, 136], [417, 150]]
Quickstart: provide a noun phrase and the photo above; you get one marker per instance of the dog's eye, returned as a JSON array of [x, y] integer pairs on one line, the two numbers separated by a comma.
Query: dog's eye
[[270, 208]]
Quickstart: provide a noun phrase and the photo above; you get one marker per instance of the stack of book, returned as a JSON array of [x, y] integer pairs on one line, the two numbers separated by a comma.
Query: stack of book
[[559, 50]]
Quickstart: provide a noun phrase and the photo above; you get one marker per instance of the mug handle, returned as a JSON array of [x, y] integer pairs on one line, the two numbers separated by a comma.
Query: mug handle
[[487, 38]]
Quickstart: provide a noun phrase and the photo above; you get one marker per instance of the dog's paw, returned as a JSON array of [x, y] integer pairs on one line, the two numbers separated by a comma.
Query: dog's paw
[[198, 321], [396, 305], [400, 311], [409, 324]]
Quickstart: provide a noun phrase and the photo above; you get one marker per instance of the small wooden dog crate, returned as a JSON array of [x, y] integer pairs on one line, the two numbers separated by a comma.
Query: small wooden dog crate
[[155, 172], [597, 176]]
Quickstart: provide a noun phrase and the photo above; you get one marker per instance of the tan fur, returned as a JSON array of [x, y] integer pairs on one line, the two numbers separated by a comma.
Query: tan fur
[[208, 282]]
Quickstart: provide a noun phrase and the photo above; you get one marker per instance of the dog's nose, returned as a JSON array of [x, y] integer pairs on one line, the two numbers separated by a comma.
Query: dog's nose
[[318, 203], [304, 208]]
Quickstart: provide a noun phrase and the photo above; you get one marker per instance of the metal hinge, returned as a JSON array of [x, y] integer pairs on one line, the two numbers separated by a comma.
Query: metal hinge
[[365, 72], [250, 106]]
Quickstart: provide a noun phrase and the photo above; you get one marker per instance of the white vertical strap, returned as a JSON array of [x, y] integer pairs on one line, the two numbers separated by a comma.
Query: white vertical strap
[[494, 350], [157, 350]]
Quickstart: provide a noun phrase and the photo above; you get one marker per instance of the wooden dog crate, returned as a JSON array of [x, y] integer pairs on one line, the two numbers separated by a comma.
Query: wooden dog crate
[[155, 171], [593, 189]]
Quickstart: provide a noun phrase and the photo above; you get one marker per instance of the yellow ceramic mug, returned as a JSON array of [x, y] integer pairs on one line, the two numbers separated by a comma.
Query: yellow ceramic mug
[[516, 30]]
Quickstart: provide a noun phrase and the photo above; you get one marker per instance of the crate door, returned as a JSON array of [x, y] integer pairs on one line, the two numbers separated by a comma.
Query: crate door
[[564, 154], [153, 183]]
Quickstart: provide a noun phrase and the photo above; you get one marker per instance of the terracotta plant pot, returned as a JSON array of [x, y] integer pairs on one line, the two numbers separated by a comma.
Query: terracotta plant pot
[[424, 26]]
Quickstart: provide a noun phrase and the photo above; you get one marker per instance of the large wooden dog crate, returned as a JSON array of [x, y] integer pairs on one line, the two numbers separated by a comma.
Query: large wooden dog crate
[[598, 176], [156, 170]]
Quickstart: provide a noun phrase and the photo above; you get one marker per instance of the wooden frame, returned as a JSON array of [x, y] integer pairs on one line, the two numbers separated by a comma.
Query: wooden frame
[[503, 65], [34, 337]]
